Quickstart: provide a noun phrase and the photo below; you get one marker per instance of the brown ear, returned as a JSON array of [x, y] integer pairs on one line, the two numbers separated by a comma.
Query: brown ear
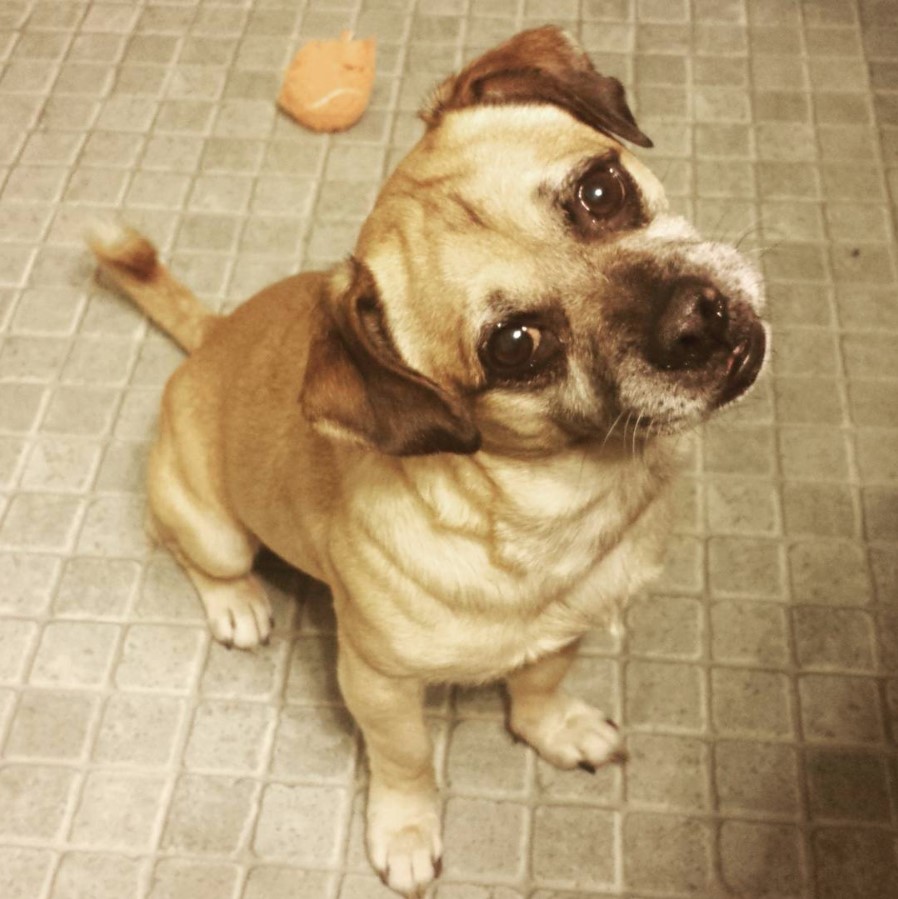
[[357, 384], [543, 65]]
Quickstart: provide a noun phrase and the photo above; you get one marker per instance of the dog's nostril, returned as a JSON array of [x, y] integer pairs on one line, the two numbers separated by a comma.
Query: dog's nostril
[[712, 307], [690, 326]]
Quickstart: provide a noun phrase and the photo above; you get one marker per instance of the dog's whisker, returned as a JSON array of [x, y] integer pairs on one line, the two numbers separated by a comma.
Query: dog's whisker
[[635, 432], [762, 251], [716, 233], [749, 231], [613, 426]]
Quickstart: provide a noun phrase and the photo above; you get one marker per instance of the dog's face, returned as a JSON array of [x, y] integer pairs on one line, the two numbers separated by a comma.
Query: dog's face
[[520, 283]]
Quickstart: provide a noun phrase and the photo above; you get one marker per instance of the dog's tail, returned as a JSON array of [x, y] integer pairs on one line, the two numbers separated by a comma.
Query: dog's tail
[[130, 260]]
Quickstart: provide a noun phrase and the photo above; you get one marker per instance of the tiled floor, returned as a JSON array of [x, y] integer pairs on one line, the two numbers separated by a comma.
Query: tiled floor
[[758, 689]]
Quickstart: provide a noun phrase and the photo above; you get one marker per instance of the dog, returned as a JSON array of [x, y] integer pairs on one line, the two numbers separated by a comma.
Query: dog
[[468, 429]]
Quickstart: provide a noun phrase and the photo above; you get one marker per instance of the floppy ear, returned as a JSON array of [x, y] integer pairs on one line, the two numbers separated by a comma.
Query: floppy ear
[[357, 385], [543, 65]]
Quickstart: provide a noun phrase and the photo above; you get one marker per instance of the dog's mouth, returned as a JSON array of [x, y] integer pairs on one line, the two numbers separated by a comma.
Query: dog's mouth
[[743, 364], [661, 402]]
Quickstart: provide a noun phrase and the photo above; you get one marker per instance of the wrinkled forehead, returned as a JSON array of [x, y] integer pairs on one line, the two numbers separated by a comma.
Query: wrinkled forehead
[[532, 146], [488, 174]]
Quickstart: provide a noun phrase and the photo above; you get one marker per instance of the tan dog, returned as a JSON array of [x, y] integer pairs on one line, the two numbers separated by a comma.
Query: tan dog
[[467, 429]]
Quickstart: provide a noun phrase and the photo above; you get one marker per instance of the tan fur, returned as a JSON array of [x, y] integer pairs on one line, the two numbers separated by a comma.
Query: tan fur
[[344, 419], [131, 262]]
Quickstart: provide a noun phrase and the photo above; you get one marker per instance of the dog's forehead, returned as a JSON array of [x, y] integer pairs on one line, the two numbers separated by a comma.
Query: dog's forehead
[[510, 141], [541, 132], [502, 167]]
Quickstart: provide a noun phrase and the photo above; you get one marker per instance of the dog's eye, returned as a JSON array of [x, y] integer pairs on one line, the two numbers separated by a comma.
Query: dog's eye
[[603, 191], [513, 346], [515, 349]]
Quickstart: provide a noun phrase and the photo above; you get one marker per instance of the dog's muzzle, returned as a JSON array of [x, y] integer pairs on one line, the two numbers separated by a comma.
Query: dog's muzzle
[[697, 327]]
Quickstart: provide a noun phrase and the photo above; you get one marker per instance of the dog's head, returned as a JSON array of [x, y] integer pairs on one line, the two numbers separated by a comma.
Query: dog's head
[[520, 283]]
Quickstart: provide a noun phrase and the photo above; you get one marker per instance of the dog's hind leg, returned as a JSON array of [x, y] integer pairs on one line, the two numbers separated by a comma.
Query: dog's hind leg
[[215, 550], [565, 731]]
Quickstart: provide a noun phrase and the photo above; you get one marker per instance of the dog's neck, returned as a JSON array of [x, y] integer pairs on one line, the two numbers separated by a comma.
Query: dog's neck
[[517, 534], [507, 499]]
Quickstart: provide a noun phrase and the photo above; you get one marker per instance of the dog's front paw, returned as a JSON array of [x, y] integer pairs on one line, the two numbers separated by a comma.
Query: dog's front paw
[[239, 611], [568, 733], [404, 842]]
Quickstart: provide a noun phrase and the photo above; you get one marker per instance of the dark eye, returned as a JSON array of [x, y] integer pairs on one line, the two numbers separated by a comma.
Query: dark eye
[[603, 191], [515, 349], [513, 346]]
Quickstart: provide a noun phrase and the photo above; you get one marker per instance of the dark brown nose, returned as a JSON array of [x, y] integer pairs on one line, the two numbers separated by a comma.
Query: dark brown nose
[[690, 326]]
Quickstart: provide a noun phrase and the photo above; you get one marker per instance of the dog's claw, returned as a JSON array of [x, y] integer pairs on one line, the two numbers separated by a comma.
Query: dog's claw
[[611, 723], [237, 610], [437, 866], [588, 767], [403, 840], [619, 757]]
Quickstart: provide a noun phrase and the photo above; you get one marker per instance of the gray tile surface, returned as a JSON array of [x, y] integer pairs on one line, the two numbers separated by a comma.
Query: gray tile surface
[[757, 687]]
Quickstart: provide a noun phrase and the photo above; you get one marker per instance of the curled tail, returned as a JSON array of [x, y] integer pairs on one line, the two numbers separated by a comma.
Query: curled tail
[[130, 260]]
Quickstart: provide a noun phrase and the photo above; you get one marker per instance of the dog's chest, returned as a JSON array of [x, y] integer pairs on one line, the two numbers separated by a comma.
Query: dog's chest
[[474, 572]]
